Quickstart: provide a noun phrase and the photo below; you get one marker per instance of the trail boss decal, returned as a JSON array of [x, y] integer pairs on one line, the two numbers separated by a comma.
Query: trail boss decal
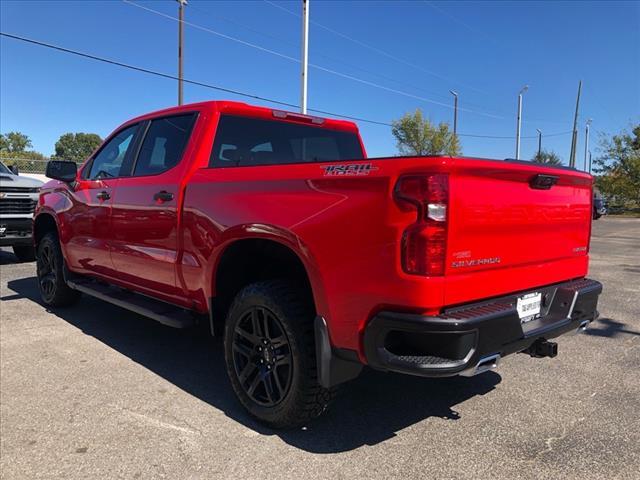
[[351, 169]]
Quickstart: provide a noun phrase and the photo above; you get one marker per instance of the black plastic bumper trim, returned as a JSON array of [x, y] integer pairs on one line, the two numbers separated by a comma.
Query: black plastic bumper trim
[[494, 326]]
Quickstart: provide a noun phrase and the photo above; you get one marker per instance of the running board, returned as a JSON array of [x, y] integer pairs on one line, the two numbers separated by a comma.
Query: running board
[[157, 310]]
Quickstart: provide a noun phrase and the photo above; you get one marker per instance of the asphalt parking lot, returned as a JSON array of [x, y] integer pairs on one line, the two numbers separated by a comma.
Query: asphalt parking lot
[[97, 392]]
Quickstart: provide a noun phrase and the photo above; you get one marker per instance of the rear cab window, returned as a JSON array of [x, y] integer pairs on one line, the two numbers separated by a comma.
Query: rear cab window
[[164, 144], [242, 141]]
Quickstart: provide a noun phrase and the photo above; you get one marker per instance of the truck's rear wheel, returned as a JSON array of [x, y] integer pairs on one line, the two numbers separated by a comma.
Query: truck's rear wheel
[[54, 291], [270, 355], [25, 253]]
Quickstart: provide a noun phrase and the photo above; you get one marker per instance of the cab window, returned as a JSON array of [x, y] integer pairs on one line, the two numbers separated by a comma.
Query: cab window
[[108, 162], [243, 141], [164, 144]]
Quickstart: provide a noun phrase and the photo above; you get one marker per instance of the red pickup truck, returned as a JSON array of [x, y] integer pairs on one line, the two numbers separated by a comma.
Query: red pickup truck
[[313, 260]]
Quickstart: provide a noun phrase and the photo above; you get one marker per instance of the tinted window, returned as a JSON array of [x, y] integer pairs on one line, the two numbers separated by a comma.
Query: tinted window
[[164, 144], [249, 141], [107, 163]]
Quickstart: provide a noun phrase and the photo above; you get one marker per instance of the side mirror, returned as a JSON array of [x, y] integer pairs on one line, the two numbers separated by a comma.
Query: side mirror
[[62, 170], [14, 169]]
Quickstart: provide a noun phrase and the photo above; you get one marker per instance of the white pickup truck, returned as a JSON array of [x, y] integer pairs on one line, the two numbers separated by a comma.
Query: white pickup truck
[[18, 199]]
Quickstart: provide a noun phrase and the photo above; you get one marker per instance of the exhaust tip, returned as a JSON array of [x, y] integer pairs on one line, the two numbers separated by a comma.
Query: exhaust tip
[[484, 364]]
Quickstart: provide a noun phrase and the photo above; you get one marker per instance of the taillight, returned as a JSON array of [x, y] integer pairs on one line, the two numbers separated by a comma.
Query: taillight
[[424, 243]]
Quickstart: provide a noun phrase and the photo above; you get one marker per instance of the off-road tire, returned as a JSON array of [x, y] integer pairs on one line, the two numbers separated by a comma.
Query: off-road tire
[[304, 399], [54, 290]]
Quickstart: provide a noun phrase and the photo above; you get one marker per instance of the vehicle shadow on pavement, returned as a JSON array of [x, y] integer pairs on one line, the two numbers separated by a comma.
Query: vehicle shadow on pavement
[[368, 410], [607, 327], [7, 258]]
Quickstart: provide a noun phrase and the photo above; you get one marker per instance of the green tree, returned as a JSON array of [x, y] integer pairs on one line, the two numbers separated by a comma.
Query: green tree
[[618, 167], [416, 135], [550, 158], [14, 142], [13, 152], [76, 146]]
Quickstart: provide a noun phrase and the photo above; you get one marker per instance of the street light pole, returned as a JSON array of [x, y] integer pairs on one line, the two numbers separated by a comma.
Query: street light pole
[[305, 55], [539, 141], [519, 124], [586, 143], [181, 4], [574, 136], [455, 111]]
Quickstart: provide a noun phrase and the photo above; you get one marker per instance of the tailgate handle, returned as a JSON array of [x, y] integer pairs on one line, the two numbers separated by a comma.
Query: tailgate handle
[[543, 182]]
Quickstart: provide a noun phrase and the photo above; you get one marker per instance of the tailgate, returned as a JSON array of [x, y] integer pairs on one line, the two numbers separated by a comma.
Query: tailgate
[[504, 223]]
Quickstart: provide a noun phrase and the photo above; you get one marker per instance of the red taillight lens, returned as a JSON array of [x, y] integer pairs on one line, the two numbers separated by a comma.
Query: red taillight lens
[[424, 243]]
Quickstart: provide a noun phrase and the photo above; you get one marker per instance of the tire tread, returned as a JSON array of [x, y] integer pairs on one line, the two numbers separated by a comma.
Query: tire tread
[[312, 399], [64, 295]]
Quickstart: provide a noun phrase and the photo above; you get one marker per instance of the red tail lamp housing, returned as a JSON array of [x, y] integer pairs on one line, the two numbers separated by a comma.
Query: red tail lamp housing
[[424, 243]]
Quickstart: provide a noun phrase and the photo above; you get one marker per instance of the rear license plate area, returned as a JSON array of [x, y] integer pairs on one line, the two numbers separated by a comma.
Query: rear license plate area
[[529, 306]]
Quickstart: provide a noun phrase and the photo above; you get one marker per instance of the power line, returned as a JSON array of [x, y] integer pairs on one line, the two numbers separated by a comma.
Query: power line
[[499, 137], [214, 32], [328, 70], [376, 49], [173, 77], [460, 22], [317, 67], [141, 69], [223, 89], [193, 6], [413, 65]]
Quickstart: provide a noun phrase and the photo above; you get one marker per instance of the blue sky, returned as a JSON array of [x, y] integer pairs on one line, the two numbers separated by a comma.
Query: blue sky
[[377, 60]]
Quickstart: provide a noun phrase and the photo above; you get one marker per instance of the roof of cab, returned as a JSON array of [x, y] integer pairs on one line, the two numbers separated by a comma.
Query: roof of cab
[[244, 109]]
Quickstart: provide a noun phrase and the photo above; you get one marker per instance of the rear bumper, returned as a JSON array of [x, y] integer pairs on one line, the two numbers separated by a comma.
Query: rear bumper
[[461, 339], [16, 231]]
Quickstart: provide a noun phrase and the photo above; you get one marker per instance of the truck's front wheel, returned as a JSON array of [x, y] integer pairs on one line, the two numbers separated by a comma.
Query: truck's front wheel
[[54, 291], [270, 355]]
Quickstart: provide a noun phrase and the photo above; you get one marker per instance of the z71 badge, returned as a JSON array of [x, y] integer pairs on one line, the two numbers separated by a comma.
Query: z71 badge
[[350, 169]]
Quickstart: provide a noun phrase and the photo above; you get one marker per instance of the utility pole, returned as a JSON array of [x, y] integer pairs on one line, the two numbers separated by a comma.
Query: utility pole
[[305, 55], [181, 4], [586, 143], [539, 141], [574, 137], [519, 124], [589, 162], [455, 112]]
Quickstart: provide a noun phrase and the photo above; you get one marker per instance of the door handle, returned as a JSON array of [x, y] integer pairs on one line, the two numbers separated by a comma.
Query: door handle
[[163, 196], [103, 195]]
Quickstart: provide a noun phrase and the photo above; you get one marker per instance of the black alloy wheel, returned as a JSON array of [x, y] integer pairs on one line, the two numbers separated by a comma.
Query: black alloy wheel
[[50, 265], [269, 351], [262, 356], [47, 270]]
